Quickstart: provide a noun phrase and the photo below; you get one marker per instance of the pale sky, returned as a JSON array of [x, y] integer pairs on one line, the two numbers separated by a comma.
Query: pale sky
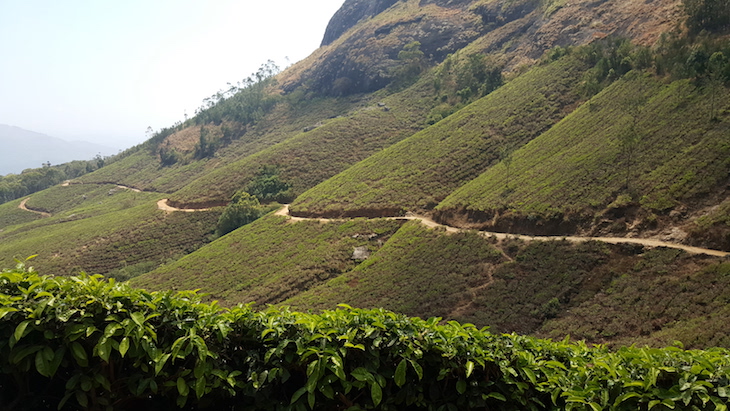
[[103, 70]]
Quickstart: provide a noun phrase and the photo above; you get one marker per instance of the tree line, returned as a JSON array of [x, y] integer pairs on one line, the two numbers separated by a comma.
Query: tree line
[[235, 108], [14, 186]]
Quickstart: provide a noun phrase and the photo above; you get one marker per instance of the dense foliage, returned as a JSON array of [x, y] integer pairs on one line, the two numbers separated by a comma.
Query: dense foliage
[[84, 342], [243, 209], [268, 186], [712, 15]]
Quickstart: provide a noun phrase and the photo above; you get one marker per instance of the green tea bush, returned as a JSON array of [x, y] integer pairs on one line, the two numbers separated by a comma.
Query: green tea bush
[[82, 342]]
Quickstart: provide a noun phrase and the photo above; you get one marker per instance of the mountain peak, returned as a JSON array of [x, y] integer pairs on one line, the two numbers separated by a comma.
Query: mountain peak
[[351, 13]]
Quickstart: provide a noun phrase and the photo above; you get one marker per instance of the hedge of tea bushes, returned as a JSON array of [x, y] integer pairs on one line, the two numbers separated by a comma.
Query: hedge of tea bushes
[[89, 343]]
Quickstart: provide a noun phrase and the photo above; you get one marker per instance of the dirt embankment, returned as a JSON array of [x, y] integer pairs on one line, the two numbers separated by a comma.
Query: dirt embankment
[[203, 205], [677, 226], [715, 237], [352, 213], [558, 224]]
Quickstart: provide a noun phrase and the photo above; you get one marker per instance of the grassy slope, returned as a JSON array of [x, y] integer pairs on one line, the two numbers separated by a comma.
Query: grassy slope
[[98, 203], [578, 164], [590, 291], [60, 200], [468, 277], [143, 170], [419, 271], [270, 259], [661, 297], [312, 157], [422, 170], [11, 215], [102, 232]]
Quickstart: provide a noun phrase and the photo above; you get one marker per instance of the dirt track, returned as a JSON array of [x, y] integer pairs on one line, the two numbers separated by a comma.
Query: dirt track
[[66, 183], [284, 211], [162, 205], [23, 207]]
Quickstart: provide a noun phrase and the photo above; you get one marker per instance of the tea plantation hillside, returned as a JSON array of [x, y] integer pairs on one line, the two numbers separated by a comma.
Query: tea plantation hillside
[[421, 171], [313, 156], [270, 259], [101, 229], [580, 172], [581, 118], [146, 169], [552, 288]]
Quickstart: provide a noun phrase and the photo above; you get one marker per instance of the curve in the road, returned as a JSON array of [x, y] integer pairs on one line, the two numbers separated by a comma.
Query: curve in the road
[[164, 206], [22, 206], [66, 183], [123, 187]]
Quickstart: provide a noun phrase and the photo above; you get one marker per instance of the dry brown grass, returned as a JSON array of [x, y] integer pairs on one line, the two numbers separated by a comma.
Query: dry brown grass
[[184, 141]]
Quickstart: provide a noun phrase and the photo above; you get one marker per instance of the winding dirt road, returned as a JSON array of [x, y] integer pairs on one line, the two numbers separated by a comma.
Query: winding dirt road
[[284, 211], [162, 205], [22, 206], [123, 187], [67, 183]]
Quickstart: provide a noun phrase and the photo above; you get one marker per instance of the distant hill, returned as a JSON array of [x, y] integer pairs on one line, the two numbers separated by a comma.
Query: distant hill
[[23, 149]]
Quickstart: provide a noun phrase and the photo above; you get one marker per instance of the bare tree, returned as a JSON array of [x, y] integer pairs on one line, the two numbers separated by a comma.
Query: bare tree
[[631, 135], [505, 155]]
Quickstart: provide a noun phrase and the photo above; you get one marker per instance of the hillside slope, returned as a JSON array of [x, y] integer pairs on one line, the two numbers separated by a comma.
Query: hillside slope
[[422, 170], [144, 168], [313, 156], [271, 260], [550, 288], [99, 229], [574, 177]]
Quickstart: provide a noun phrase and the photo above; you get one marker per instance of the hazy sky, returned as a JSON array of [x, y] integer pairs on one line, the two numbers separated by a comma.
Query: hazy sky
[[104, 70]]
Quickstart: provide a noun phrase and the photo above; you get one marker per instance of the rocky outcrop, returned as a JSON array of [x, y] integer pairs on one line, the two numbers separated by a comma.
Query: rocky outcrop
[[364, 37], [360, 253], [351, 13], [365, 59]]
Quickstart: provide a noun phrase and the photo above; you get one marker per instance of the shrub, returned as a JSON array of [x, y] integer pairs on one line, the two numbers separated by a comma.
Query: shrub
[[268, 186], [84, 342], [243, 209]]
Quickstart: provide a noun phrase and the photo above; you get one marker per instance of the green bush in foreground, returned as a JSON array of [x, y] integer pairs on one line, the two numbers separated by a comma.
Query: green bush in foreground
[[83, 342]]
